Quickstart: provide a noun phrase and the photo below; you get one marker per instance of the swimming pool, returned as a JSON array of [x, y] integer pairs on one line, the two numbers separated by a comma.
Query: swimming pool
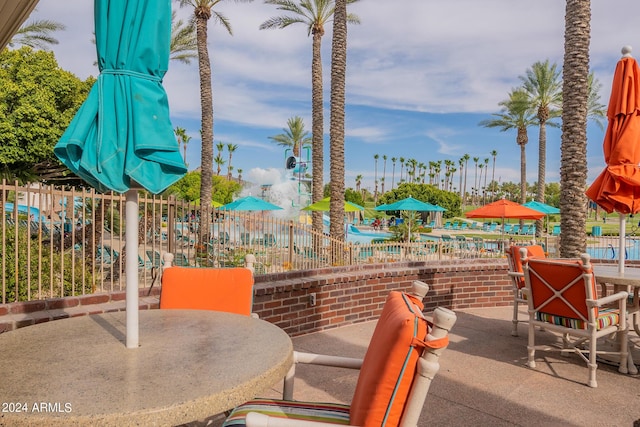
[[354, 235]]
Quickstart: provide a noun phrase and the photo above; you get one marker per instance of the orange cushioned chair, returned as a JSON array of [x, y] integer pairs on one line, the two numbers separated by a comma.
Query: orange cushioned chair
[[394, 378], [220, 289], [561, 294], [517, 277]]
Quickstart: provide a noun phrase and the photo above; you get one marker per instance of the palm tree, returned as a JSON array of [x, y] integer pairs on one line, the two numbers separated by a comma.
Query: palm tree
[[203, 10], [384, 170], [461, 164], [336, 127], [595, 109], [475, 181], [358, 182], [295, 136], [486, 172], [466, 158], [183, 138], [393, 171], [184, 45], [481, 166], [402, 160], [577, 90], [516, 113], [219, 161], [544, 86], [314, 14], [230, 148], [240, 176], [375, 179], [494, 154], [37, 34]]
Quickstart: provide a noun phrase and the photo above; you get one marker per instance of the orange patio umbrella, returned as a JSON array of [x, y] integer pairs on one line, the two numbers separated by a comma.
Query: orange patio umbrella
[[617, 188], [502, 209]]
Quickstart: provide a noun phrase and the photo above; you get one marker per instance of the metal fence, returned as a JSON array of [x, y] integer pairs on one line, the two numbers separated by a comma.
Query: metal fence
[[56, 242]]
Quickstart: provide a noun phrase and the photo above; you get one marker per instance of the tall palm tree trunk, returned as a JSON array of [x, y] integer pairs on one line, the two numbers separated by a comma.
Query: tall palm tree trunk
[[317, 130], [542, 164], [338, 72], [206, 105], [573, 165]]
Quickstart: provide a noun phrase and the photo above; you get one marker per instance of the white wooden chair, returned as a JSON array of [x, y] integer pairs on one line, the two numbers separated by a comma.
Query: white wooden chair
[[517, 278], [395, 374], [562, 297]]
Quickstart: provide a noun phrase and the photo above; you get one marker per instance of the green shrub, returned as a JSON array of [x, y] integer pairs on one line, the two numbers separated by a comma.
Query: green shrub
[[41, 278]]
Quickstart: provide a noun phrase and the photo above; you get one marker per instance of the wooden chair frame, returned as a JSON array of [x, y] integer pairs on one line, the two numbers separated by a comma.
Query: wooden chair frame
[[427, 367], [572, 290], [517, 278]]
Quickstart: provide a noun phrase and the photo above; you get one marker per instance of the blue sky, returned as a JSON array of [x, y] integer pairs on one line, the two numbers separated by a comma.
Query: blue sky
[[421, 74]]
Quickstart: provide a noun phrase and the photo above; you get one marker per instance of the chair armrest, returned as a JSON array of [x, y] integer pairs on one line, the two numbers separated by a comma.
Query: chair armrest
[[515, 274], [622, 295], [315, 359], [326, 360], [255, 419]]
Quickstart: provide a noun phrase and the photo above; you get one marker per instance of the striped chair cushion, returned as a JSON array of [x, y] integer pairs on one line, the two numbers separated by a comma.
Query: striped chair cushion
[[606, 317], [325, 412]]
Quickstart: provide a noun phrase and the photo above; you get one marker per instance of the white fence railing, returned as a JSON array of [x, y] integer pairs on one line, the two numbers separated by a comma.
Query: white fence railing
[[56, 242]]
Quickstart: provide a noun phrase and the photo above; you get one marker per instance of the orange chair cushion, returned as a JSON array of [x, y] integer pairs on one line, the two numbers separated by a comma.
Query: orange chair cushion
[[219, 289], [558, 274], [390, 363], [532, 251]]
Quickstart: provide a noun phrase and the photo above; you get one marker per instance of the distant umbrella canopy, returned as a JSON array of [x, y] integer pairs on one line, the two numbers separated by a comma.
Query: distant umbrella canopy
[[324, 205], [504, 209], [410, 204], [121, 136], [542, 207], [250, 203]]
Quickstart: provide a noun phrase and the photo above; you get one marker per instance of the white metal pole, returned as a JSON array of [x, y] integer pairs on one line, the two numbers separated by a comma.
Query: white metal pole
[[622, 243], [131, 267]]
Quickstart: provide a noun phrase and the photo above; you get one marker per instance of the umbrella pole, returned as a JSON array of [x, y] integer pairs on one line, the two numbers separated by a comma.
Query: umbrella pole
[[131, 268], [622, 243]]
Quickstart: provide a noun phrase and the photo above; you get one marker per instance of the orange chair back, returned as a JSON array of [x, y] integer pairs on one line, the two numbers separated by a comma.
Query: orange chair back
[[220, 289], [561, 287], [390, 363], [515, 260]]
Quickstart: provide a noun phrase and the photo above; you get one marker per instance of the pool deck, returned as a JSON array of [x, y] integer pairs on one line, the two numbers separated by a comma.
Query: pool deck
[[483, 379]]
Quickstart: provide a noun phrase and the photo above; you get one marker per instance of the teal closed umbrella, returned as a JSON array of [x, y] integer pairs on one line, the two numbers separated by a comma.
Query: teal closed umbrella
[[122, 134], [121, 138]]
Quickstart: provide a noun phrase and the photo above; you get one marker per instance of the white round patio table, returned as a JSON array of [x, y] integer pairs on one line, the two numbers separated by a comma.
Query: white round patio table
[[190, 365]]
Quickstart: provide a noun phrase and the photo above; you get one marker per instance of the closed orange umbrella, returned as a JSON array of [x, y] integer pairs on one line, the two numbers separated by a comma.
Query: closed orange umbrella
[[617, 188]]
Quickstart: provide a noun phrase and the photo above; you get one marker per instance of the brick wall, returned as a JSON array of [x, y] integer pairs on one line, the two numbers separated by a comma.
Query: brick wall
[[357, 293], [343, 295]]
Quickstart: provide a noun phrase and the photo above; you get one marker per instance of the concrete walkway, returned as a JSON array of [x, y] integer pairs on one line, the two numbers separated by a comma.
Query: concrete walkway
[[483, 379]]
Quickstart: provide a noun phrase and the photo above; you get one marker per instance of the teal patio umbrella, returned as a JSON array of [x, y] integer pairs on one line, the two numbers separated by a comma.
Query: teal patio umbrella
[[410, 204], [249, 203], [542, 207], [122, 139]]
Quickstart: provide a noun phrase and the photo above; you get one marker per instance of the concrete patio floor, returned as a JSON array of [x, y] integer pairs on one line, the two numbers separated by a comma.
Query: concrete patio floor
[[483, 378]]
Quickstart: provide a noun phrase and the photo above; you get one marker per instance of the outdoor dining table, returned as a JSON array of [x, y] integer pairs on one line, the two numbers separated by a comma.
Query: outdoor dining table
[[190, 364], [627, 280]]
